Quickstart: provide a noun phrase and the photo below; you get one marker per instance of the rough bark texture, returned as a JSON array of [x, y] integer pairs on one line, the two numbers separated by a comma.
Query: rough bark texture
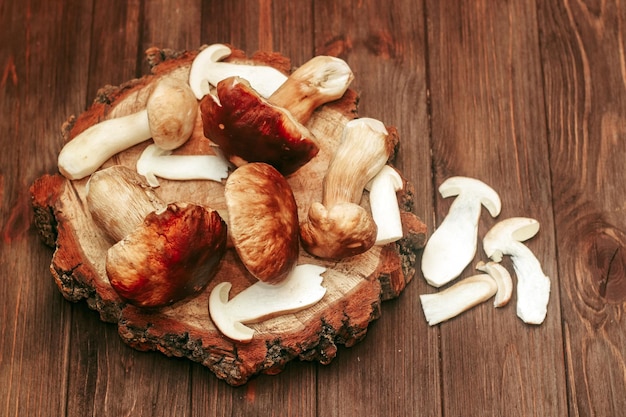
[[355, 286]]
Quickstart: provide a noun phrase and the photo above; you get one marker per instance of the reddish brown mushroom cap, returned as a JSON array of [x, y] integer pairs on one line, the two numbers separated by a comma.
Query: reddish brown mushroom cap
[[171, 256], [248, 128], [263, 221]]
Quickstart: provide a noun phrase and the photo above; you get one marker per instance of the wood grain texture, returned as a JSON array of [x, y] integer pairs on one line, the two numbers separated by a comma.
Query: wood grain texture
[[481, 88], [585, 105]]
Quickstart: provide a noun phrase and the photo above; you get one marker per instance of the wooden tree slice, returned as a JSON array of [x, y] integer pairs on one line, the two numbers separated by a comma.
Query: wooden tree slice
[[355, 286]]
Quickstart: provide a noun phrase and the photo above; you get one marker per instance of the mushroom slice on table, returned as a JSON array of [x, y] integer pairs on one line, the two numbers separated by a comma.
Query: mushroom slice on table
[[157, 162], [250, 128], [168, 118], [339, 227], [452, 245], [503, 280], [384, 204], [208, 69], [301, 289], [533, 286], [166, 255], [454, 300], [263, 221]]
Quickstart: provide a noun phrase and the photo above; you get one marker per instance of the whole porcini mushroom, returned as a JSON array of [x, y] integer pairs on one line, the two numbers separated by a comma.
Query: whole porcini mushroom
[[168, 118], [250, 128], [339, 227], [208, 69], [301, 289], [171, 254], [263, 221], [533, 286], [452, 245]]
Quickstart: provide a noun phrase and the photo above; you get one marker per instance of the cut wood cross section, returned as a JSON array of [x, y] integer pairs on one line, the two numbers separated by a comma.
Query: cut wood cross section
[[355, 287]]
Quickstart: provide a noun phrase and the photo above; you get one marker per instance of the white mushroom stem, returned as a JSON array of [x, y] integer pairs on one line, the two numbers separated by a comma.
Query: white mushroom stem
[[84, 154], [301, 289], [454, 300], [502, 278], [207, 69], [533, 286], [384, 204], [156, 162], [168, 118], [452, 245]]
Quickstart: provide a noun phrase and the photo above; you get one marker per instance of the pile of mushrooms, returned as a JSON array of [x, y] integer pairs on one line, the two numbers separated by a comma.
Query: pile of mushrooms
[[164, 252], [453, 245]]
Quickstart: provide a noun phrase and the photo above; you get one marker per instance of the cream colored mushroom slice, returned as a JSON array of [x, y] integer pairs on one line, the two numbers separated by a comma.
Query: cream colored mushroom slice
[[533, 286], [301, 289], [384, 204], [503, 280], [452, 245], [157, 162], [458, 298], [208, 69]]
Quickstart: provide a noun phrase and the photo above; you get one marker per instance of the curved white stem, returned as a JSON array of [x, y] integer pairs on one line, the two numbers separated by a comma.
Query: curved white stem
[[84, 154], [384, 204]]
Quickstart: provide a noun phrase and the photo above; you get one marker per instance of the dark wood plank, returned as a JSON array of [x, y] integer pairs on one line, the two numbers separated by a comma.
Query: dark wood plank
[[35, 94], [392, 371], [488, 123], [582, 49]]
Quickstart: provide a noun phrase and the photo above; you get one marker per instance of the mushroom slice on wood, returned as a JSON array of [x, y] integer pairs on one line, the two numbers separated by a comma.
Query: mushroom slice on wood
[[453, 244], [301, 289], [263, 221], [502, 278], [533, 286], [456, 299]]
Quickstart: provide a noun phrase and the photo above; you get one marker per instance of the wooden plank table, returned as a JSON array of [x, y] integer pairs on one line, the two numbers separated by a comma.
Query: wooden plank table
[[528, 96]]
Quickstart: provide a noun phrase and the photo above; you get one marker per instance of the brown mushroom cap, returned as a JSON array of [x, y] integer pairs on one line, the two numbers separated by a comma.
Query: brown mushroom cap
[[171, 256], [248, 128], [263, 221]]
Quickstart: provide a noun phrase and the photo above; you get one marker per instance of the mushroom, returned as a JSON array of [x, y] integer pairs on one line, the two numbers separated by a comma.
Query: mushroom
[[263, 221], [157, 162], [172, 253], [384, 204], [301, 289], [206, 70], [168, 118], [250, 128], [503, 280], [339, 227], [533, 286], [453, 245], [456, 299]]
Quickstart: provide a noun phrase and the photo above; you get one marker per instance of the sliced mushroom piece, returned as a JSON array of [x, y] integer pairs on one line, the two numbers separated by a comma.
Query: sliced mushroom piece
[[208, 69], [263, 221], [249, 128], [503, 280], [533, 286], [169, 118], [452, 245], [339, 227], [454, 300], [384, 204], [157, 162], [166, 252], [300, 290]]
